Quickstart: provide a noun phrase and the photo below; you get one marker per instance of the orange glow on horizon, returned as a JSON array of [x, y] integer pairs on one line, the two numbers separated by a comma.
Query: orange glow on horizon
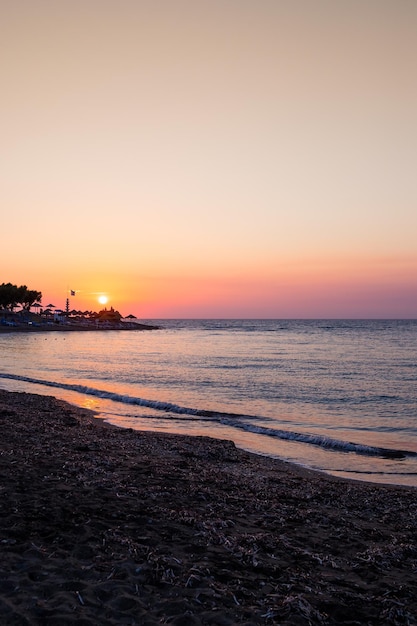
[[347, 287]]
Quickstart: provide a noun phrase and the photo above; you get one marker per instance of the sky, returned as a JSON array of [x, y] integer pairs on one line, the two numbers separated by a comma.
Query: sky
[[211, 158]]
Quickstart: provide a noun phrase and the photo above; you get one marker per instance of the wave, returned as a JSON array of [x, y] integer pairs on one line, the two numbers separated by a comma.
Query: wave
[[329, 443], [236, 420], [108, 395], [367, 472]]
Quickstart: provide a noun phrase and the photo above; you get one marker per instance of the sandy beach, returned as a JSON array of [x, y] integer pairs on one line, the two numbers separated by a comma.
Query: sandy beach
[[101, 525]]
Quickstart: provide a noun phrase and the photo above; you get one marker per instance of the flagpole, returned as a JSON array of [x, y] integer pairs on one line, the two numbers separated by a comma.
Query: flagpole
[[71, 293]]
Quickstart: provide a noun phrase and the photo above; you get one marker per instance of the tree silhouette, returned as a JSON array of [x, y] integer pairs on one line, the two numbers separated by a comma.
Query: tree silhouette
[[12, 295]]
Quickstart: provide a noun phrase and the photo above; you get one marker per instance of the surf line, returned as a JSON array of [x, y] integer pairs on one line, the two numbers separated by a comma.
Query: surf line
[[235, 420]]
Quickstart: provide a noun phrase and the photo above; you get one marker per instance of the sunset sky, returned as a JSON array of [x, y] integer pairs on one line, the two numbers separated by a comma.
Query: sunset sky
[[211, 158]]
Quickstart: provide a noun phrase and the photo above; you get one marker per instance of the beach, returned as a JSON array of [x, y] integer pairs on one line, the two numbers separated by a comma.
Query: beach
[[104, 525], [42, 327]]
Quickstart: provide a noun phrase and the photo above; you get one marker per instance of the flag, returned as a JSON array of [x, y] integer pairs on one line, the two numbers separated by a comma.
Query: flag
[[72, 292]]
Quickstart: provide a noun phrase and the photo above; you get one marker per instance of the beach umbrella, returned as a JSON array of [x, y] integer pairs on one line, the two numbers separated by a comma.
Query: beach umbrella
[[50, 306], [131, 317]]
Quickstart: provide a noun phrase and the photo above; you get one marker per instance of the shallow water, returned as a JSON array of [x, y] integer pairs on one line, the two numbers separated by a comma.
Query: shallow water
[[338, 396]]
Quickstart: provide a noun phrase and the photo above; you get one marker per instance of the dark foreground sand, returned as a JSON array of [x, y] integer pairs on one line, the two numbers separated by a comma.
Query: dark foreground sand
[[100, 525]]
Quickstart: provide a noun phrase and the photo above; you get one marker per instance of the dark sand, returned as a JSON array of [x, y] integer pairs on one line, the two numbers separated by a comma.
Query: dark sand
[[101, 525]]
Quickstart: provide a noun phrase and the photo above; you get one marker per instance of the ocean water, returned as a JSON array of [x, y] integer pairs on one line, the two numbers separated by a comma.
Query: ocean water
[[339, 396]]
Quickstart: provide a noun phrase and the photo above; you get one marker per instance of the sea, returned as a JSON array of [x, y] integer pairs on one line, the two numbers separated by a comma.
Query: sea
[[337, 396]]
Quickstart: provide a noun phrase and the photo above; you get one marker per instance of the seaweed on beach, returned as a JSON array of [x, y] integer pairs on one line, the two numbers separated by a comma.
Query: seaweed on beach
[[113, 526]]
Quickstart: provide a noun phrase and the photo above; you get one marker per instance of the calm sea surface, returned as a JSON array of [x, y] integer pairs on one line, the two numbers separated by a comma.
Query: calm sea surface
[[337, 396]]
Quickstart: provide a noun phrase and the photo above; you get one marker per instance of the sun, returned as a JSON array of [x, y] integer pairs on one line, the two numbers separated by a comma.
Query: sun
[[103, 299]]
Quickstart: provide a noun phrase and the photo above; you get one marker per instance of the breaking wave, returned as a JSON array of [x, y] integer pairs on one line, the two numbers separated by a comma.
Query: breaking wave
[[235, 420]]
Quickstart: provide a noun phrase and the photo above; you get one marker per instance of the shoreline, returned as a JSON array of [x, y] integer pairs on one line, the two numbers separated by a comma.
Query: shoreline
[[107, 525], [27, 328]]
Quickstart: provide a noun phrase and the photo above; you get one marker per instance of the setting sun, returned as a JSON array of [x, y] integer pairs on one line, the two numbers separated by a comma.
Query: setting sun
[[103, 299]]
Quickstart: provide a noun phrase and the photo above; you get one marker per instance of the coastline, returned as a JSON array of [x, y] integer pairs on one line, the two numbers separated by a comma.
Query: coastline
[[109, 525], [27, 328]]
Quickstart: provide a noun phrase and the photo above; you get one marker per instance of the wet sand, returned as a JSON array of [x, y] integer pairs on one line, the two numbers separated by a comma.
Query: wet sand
[[101, 525]]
